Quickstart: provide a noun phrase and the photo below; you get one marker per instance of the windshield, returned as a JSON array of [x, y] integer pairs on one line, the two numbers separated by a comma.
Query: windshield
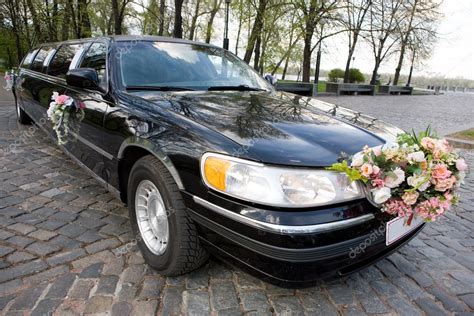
[[184, 66]]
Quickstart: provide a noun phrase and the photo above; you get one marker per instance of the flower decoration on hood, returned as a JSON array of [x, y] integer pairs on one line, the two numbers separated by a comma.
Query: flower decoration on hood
[[416, 177]]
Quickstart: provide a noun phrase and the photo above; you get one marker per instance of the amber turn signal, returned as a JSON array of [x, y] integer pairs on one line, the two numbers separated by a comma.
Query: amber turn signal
[[215, 170]]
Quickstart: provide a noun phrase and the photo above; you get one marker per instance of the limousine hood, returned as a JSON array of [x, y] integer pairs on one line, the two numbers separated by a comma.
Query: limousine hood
[[280, 128]]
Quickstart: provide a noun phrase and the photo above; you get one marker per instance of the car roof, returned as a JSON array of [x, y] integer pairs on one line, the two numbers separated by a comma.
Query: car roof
[[124, 38]]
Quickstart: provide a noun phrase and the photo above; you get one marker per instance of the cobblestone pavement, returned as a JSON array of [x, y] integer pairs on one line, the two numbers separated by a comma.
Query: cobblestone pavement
[[446, 113], [59, 230]]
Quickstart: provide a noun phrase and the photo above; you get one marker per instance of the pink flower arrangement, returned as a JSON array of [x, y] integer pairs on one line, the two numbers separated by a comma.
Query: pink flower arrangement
[[62, 123], [416, 177]]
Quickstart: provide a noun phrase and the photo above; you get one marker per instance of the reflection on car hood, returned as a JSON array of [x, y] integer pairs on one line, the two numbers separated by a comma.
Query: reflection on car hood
[[280, 128]]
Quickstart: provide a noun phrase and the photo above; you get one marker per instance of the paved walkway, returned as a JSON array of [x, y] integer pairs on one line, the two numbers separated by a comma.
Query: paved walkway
[[59, 231], [446, 113]]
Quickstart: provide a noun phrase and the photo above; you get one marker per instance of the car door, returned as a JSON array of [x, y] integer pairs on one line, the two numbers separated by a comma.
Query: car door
[[87, 136]]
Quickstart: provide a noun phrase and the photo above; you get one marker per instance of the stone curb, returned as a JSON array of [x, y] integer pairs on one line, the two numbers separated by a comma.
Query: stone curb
[[460, 143]]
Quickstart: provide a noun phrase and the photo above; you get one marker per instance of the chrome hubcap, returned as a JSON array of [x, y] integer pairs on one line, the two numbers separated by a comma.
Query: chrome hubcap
[[151, 217]]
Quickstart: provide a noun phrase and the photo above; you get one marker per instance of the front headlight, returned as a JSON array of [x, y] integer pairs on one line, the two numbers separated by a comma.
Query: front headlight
[[277, 186]]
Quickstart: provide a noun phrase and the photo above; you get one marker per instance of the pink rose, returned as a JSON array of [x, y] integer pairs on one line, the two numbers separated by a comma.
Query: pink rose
[[396, 206], [437, 153], [61, 99], [429, 209], [444, 184], [378, 183], [366, 170], [410, 197], [377, 150], [440, 171], [428, 143], [375, 170], [461, 164], [444, 146], [446, 204], [448, 196]]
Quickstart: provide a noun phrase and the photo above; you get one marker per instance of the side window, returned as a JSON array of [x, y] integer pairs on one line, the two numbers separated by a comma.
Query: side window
[[28, 59], [62, 59], [95, 57], [37, 64]]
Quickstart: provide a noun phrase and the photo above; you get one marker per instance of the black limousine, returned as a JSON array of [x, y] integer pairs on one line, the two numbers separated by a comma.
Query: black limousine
[[209, 157]]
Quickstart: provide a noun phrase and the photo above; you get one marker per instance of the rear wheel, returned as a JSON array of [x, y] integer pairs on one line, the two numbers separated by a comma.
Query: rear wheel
[[165, 233], [22, 117]]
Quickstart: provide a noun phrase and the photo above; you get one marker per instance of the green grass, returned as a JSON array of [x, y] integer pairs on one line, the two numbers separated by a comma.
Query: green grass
[[466, 135]]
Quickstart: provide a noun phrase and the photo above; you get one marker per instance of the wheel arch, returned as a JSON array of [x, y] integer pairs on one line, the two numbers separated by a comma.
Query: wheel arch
[[134, 148]]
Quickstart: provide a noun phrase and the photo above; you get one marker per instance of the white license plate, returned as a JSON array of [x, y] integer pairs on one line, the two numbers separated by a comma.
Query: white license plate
[[397, 228]]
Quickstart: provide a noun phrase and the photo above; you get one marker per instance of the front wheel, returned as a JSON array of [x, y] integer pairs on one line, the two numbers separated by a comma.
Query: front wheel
[[165, 233], [22, 117]]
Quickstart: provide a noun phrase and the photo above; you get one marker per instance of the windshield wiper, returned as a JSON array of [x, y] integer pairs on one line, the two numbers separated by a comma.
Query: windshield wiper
[[242, 87], [159, 88]]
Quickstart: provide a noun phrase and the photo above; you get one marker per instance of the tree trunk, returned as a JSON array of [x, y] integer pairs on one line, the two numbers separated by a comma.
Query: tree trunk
[[307, 56], [25, 23], [48, 22], [54, 20], [16, 26], [310, 25], [400, 63], [404, 43], [83, 19], [263, 52], [256, 30], [285, 69], [256, 59], [72, 13], [349, 57], [162, 17], [65, 24], [210, 22], [375, 71], [36, 23], [192, 29], [116, 15], [178, 19], [239, 29]]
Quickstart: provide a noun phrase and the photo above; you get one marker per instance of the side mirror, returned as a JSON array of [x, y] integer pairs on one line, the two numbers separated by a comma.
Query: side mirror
[[271, 79], [85, 78]]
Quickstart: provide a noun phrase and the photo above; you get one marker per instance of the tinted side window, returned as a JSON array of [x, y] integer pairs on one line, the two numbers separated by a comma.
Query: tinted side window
[[37, 64], [95, 58], [28, 59], [62, 59]]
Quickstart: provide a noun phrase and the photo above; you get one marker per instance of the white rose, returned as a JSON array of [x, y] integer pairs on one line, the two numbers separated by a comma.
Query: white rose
[[51, 108], [395, 178], [357, 160], [54, 96], [416, 180], [381, 195], [417, 156]]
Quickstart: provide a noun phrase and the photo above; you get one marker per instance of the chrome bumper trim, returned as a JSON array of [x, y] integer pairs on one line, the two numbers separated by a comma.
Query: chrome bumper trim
[[284, 229]]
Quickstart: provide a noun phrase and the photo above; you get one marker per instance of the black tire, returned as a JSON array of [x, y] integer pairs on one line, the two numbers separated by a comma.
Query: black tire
[[22, 117], [184, 252]]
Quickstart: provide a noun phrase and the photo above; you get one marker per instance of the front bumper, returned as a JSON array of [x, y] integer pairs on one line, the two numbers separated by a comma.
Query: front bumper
[[293, 247]]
